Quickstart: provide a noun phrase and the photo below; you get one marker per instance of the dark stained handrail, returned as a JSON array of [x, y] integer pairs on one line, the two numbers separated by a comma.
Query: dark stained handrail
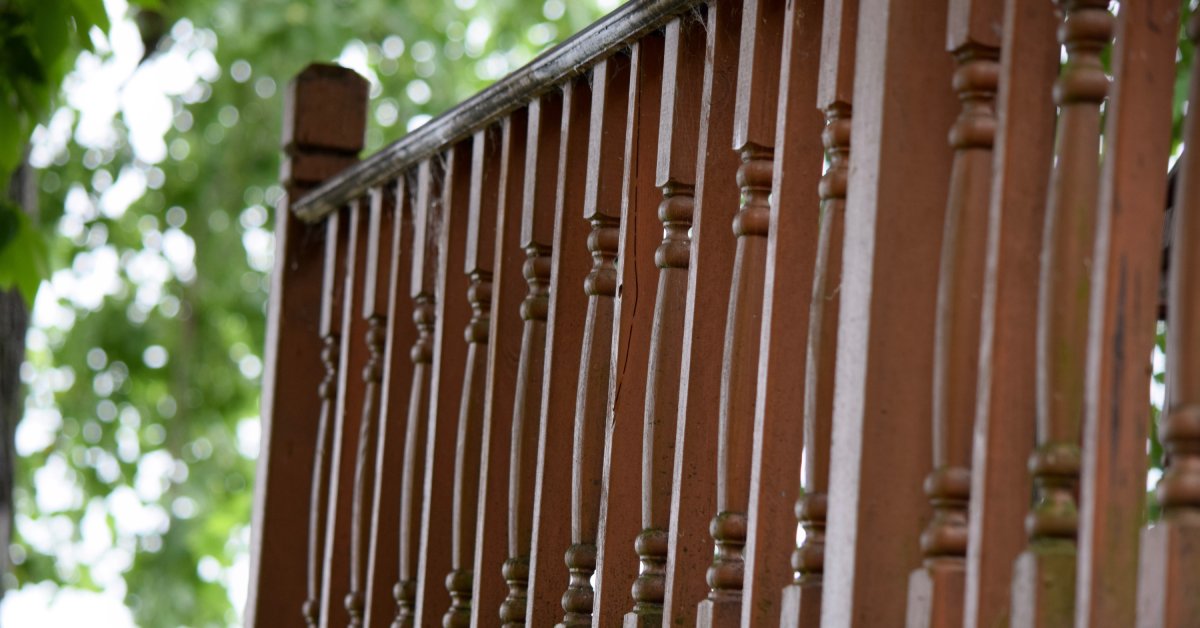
[[550, 69]]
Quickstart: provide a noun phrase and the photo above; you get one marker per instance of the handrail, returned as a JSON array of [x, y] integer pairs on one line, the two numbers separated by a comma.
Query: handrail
[[549, 69]]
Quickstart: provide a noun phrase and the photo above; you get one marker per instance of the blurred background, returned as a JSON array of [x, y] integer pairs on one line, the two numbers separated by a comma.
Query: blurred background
[[150, 129]]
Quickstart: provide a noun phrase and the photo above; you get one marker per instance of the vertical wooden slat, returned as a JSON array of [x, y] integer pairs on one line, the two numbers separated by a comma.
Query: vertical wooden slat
[[936, 588], [513, 427], [1004, 419], [344, 430], [637, 275], [504, 171], [709, 270], [679, 122], [426, 255], [753, 139], [602, 206], [564, 340], [374, 313], [1044, 579], [899, 171], [438, 544], [1126, 267], [1170, 565], [801, 600], [791, 255], [383, 565]]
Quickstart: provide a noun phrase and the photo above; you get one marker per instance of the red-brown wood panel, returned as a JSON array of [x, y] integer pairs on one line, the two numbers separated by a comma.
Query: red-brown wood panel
[[801, 600], [383, 564], [899, 174], [570, 266], [1044, 578], [445, 389], [689, 549], [791, 254], [637, 274], [347, 415], [1126, 267], [1004, 420]]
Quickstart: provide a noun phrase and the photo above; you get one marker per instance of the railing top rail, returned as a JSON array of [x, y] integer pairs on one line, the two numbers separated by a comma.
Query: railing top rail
[[548, 70]]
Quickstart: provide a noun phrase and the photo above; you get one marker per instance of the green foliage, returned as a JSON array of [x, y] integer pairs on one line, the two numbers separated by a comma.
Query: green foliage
[[145, 399]]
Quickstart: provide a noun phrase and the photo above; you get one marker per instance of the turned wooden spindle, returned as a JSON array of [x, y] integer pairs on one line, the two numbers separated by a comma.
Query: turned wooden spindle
[[1043, 585], [801, 605], [540, 180], [1169, 576], [374, 311], [710, 266], [326, 392], [480, 257], [602, 205], [679, 122], [792, 244], [427, 210], [564, 342], [1126, 268], [936, 588]]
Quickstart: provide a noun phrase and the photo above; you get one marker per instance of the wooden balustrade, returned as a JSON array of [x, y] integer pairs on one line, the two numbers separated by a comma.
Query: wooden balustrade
[[593, 403]]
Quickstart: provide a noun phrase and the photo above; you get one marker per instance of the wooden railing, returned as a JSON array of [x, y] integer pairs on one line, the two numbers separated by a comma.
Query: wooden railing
[[699, 319]]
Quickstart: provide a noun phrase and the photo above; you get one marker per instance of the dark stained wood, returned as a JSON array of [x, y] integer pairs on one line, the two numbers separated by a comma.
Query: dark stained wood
[[896, 200], [314, 149], [791, 255], [1169, 573], [601, 208], [1004, 419], [426, 254], [374, 312], [1126, 267], [1044, 579], [383, 564], [564, 341], [710, 267], [753, 139], [353, 354], [679, 122], [499, 161], [637, 274], [450, 353], [936, 589], [801, 600]]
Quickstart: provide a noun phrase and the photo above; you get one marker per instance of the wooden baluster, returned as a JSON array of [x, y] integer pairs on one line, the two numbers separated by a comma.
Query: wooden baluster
[[1126, 271], [753, 139], [347, 414], [528, 259], [710, 267], [1044, 582], [679, 122], [620, 490], [383, 565], [895, 206], [801, 603], [792, 244], [439, 523], [374, 313], [331, 293], [935, 596], [1004, 419], [564, 341], [502, 170], [602, 203], [426, 261], [301, 323], [1170, 563]]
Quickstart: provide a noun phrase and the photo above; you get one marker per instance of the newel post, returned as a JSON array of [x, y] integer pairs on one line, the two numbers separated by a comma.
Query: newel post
[[324, 121]]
